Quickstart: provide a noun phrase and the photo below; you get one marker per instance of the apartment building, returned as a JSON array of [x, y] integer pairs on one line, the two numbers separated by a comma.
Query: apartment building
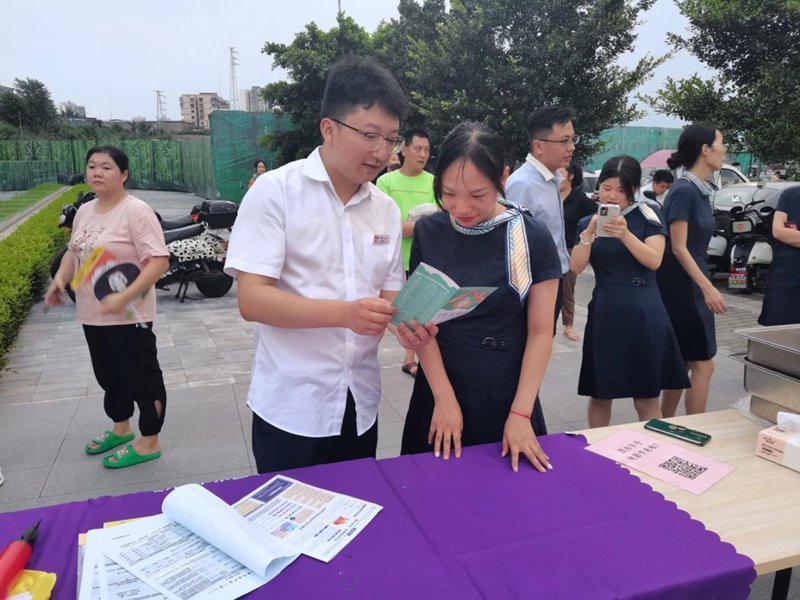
[[195, 108]]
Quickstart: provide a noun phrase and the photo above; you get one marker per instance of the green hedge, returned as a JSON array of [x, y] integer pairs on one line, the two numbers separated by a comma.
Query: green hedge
[[25, 258]]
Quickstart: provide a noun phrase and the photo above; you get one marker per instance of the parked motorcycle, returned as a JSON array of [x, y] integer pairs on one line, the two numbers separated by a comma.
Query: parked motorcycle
[[751, 247], [718, 256], [197, 251]]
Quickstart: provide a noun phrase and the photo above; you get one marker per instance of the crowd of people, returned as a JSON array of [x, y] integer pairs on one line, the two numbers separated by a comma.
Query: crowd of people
[[320, 253]]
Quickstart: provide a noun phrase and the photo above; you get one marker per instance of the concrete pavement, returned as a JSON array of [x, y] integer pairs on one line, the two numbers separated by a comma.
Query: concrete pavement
[[51, 406]]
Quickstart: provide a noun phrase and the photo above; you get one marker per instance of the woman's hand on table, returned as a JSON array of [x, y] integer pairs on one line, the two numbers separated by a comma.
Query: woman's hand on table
[[414, 336], [446, 427], [519, 439]]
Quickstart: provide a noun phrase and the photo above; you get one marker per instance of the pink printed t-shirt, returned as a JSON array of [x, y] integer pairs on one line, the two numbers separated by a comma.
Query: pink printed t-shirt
[[132, 233]]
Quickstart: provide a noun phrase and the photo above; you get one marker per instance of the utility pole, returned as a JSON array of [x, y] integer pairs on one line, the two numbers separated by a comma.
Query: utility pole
[[234, 86], [161, 110]]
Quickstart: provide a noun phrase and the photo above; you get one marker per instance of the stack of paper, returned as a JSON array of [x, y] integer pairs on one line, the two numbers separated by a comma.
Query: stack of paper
[[200, 547]]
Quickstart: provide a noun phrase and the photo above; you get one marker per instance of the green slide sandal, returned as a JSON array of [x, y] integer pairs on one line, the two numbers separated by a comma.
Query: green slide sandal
[[108, 440], [127, 457]]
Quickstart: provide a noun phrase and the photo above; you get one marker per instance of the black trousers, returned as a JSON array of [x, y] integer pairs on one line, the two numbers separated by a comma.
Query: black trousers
[[278, 450], [125, 363], [559, 303]]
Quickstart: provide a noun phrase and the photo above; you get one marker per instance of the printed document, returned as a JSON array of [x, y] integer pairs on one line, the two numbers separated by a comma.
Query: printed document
[[666, 462], [313, 521], [201, 547], [430, 296]]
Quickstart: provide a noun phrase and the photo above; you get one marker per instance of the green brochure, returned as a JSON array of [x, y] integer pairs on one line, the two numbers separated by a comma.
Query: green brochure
[[430, 296]]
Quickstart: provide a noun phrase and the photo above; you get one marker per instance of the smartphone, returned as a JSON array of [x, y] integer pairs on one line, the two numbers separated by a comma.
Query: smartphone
[[678, 431], [604, 213]]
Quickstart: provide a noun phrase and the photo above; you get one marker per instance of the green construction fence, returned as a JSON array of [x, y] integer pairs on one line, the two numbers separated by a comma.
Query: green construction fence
[[235, 146], [640, 142], [176, 165]]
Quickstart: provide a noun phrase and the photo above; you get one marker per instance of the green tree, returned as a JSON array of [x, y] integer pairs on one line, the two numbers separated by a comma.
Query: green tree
[[11, 109], [494, 61], [486, 60], [307, 60], [30, 107], [755, 95]]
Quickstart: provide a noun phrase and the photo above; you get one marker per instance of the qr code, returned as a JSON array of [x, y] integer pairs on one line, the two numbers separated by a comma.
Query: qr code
[[683, 467]]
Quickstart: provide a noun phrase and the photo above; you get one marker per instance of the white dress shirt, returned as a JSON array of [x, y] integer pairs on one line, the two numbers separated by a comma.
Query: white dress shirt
[[293, 227]]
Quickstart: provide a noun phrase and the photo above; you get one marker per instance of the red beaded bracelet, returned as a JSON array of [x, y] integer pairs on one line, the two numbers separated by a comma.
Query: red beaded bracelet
[[519, 414]]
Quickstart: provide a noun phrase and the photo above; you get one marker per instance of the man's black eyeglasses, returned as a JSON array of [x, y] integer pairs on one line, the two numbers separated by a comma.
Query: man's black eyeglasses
[[376, 140], [570, 140]]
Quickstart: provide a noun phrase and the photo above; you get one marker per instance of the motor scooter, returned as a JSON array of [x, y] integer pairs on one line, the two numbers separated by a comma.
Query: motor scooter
[[751, 247], [197, 251], [718, 254]]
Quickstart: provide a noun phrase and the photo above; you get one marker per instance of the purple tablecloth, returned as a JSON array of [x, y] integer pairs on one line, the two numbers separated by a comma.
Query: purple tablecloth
[[467, 528]]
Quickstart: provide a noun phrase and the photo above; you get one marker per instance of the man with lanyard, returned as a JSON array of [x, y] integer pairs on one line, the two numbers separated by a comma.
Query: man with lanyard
[[316, 251], [536, 183], [410, 186]]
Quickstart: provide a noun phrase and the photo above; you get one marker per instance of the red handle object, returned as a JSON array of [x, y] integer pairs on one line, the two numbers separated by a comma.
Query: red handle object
[[14, 558]]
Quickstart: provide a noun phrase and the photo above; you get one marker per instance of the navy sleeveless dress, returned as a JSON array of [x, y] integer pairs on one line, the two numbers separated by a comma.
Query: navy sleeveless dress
[[691, 318], [482, 350], [782, 297], [629, 347]]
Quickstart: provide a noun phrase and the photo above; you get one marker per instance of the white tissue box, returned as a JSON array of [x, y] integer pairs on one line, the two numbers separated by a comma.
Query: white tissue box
[[780, 446]]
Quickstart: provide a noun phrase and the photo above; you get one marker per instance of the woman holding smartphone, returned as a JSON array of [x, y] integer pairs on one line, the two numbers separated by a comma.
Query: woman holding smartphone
[[629, 348], [684, 279]]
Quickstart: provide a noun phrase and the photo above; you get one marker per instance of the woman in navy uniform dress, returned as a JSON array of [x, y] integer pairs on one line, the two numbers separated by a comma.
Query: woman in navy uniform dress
[[629, 349], [684, 279], [479, 378], [782, 297]]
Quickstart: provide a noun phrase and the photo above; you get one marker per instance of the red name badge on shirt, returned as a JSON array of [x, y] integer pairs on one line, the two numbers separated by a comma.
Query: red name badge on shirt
[[790, 225], [380, 240]]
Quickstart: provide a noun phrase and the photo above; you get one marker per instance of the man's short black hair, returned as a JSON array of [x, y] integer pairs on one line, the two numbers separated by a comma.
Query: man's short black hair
[[418, 132], [663, 176], [542, 120], [355, 82]]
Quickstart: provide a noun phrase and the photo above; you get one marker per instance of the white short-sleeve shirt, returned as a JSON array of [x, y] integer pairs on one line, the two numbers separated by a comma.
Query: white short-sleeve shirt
[[293, 227]]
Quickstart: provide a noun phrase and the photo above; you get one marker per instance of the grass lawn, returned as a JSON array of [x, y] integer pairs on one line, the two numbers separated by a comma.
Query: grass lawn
[[22, 201]]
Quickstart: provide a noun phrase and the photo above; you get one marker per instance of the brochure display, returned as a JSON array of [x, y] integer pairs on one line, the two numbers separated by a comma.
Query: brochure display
[[430, 296], [201, 547]]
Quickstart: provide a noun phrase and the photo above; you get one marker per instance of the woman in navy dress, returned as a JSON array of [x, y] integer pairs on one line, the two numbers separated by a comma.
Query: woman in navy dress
[[684, 279], [629, 349], [782, 296], [479, 378]]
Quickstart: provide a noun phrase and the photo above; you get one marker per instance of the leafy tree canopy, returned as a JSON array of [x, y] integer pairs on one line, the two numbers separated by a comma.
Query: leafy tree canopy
[[487, 60], [754, 45], [29, 107]]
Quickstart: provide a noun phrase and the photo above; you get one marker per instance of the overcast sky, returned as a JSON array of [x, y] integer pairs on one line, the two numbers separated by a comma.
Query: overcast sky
[[111, 57]]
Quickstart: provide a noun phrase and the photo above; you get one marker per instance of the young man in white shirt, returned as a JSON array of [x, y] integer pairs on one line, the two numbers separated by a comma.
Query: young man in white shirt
[[317, 253]]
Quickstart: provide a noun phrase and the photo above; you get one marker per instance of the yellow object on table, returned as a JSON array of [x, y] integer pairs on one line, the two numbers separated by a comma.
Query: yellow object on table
[[35, 585]]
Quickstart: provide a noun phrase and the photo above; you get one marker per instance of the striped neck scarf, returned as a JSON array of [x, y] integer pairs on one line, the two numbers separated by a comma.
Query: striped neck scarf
[[518, 265], [706, 187]]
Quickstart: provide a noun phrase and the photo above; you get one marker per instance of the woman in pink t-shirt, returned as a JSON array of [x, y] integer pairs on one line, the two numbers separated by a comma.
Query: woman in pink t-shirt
[[116, 304]]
